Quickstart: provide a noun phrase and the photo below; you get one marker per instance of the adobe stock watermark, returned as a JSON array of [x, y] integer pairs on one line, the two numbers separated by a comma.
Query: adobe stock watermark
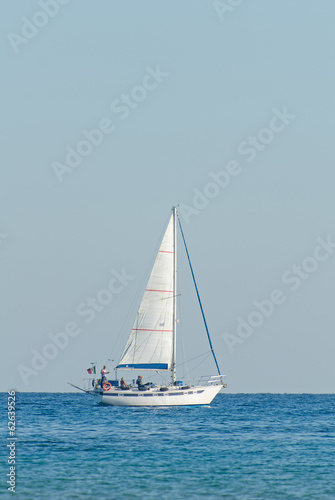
[[31, 27], [293, 278], [225, 7], [122, 108], [87, 309], [249, 148]]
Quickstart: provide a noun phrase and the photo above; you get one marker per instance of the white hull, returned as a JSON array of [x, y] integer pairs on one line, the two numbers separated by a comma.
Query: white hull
[[198, 395]]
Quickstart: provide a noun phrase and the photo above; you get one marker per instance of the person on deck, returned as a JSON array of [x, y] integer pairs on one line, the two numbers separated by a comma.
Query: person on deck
[[123, 383], [103, 375], [139, 381]]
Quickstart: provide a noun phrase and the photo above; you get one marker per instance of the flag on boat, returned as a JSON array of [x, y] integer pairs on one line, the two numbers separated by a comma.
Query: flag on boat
[[91, 370]]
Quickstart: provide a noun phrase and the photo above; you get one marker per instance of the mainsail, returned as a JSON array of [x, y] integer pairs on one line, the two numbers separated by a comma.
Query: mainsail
[[150, 343]]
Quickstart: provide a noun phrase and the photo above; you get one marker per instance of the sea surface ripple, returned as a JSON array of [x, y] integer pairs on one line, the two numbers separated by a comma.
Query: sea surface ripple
[[242, 446]]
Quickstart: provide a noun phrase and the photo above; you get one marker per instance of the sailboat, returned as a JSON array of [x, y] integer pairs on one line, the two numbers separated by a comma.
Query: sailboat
[[151, 345]]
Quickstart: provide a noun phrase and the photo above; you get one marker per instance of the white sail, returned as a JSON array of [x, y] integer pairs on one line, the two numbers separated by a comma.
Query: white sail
[[150, 343]]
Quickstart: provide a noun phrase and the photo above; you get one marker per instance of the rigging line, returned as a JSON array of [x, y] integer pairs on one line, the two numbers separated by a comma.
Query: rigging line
[[192, 359], [196, 367], [173, 296], [159, 373], [199, 300], [88, 392], [181, 339]]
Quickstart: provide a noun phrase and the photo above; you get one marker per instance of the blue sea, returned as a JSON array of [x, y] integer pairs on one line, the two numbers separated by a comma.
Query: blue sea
[[242, 446]]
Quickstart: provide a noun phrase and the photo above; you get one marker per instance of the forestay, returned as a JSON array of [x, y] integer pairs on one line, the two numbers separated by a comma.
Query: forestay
[[150, 343]]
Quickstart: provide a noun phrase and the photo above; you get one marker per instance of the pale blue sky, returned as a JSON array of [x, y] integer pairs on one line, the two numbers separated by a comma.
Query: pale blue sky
[[225, 78]]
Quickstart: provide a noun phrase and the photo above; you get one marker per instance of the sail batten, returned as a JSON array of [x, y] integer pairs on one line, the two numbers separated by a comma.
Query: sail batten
[[150, 343]]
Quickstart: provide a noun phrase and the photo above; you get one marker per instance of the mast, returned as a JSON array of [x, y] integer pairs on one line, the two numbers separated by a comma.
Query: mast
[[173, 368]]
